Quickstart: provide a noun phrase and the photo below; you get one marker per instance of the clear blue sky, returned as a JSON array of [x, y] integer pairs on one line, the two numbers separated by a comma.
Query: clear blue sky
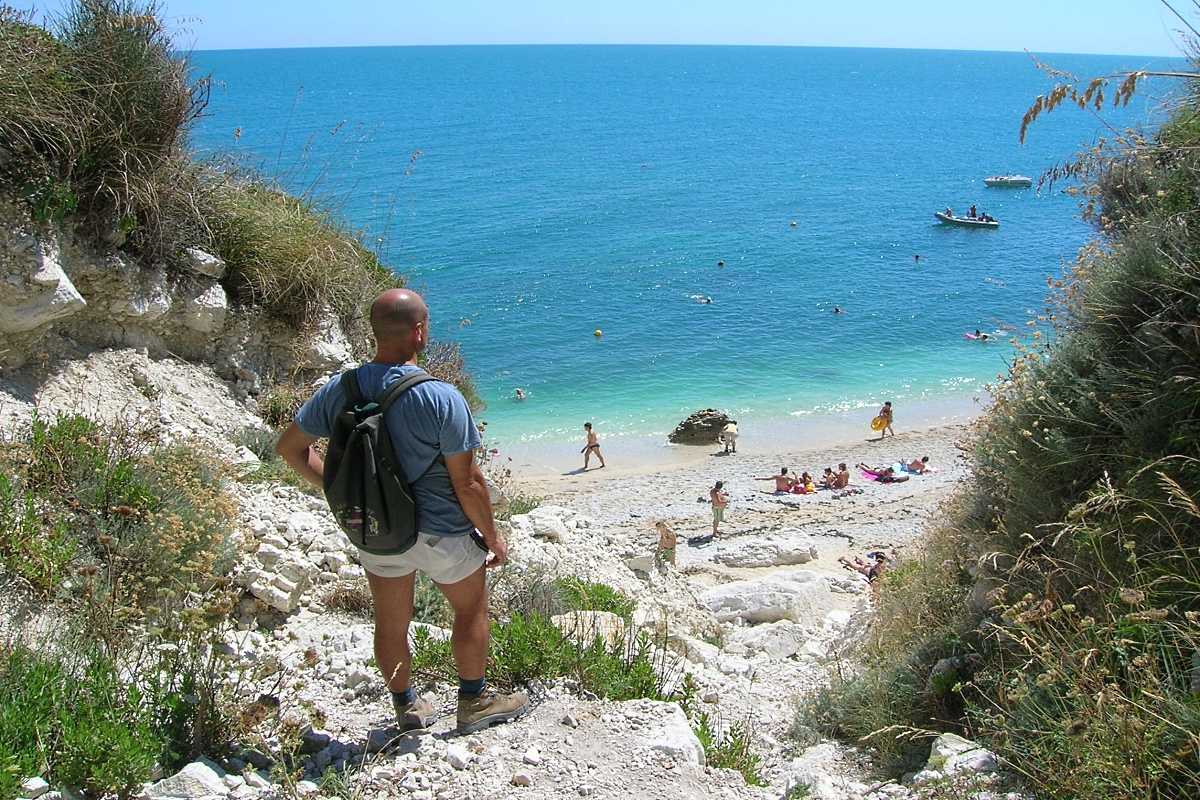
[[1126, 27]]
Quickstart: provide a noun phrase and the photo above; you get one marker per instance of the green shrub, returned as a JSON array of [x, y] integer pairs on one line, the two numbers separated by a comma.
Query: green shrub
[[83, 727], [526, 645], [95, 115], [578, 594], [120, 515], [289, 257], [1063, 587]]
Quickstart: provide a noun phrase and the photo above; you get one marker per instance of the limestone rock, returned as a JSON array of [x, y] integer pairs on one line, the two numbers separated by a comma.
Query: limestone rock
[[34, 788], [52, 296], [775, 640], [797, 595], [197, 779], [767, 554], [668, 731], [206, 311], [954, 755], [700, 428], [458, 756], [204, 263]]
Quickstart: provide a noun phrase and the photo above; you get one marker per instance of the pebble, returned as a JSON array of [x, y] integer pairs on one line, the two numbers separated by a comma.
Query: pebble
[[522, 779], [532, 756], [457, 756], [570, 720]]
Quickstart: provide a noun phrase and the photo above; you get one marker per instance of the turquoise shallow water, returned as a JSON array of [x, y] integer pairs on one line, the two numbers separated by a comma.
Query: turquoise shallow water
[[563, 190]]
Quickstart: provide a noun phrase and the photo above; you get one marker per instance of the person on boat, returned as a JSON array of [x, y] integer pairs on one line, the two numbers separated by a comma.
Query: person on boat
[[971, 213], [949, 212]]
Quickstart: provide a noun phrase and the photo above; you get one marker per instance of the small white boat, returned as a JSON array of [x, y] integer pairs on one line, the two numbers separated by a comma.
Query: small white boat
[[966, 222], [1008, 182]]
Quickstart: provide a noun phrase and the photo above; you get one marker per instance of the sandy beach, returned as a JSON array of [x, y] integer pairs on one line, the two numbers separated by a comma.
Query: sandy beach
[[889, 517]]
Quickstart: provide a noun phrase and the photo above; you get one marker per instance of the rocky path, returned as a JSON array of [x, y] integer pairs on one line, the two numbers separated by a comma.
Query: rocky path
[[754, 618]]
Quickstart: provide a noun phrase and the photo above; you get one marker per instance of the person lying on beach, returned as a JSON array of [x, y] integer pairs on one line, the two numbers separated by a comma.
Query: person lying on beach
[[918, 465], [784, 483], [882, 474], [873, 568]]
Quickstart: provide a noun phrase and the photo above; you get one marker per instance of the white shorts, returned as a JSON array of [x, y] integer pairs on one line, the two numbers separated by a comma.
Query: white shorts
[[445, 559]]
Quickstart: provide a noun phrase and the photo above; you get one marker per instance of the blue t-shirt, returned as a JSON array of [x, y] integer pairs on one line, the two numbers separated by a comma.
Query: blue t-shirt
[[428, 419]]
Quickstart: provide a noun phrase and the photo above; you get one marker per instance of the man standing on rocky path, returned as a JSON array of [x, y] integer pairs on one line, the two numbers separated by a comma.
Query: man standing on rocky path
[[435, 439]]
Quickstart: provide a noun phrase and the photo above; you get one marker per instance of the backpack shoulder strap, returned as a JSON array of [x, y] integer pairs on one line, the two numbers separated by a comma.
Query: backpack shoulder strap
[[401, 386], [350, 386]]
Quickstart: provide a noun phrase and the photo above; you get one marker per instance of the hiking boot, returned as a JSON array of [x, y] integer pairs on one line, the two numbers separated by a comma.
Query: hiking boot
[[417, 716], [489, 708]]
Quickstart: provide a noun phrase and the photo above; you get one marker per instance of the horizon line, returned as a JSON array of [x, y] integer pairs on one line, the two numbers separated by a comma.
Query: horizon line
[[681, 45]]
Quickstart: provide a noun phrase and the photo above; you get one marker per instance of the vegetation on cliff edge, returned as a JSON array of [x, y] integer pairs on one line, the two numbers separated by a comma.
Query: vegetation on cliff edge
[[1054, 613]]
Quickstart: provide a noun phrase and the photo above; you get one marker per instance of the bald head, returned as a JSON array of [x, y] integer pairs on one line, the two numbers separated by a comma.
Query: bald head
[[395, 314]]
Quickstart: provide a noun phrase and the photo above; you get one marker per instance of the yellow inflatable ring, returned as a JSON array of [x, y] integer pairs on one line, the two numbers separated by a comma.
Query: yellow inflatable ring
[[879, 423]]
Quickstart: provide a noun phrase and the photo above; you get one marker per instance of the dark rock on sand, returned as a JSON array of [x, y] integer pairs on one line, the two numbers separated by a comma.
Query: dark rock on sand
[[700, 428]]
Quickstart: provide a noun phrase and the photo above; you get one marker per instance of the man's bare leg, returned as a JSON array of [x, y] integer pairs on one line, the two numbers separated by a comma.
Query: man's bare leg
[[470, 635], [393, 599]]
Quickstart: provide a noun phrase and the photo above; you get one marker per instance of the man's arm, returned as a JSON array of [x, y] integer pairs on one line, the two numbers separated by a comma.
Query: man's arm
[[295, 447], [470, 488]]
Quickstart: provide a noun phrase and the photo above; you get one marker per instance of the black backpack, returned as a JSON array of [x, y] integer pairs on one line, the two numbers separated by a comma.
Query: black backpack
[[364, 481]]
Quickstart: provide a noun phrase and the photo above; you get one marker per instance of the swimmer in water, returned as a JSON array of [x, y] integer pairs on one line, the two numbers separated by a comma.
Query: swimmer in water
[[520, 394], [837, 310]]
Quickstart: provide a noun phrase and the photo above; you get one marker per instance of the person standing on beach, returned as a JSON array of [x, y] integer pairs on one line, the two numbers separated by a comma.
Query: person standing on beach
[[436, 440], [592, 446], [720, 501], [729, 435], [887, 414], [666, 544]]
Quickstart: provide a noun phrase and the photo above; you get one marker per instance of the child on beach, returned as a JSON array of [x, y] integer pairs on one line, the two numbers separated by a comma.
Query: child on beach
[[888, 415]]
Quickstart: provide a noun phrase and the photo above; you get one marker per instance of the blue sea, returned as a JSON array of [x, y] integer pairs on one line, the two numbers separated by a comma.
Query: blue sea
[[569, 211]]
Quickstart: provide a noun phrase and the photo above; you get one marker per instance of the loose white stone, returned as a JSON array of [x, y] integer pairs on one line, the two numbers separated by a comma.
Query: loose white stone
[[458, 756], [522, 779], [34, 788], [532, 756], [195, 780]]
